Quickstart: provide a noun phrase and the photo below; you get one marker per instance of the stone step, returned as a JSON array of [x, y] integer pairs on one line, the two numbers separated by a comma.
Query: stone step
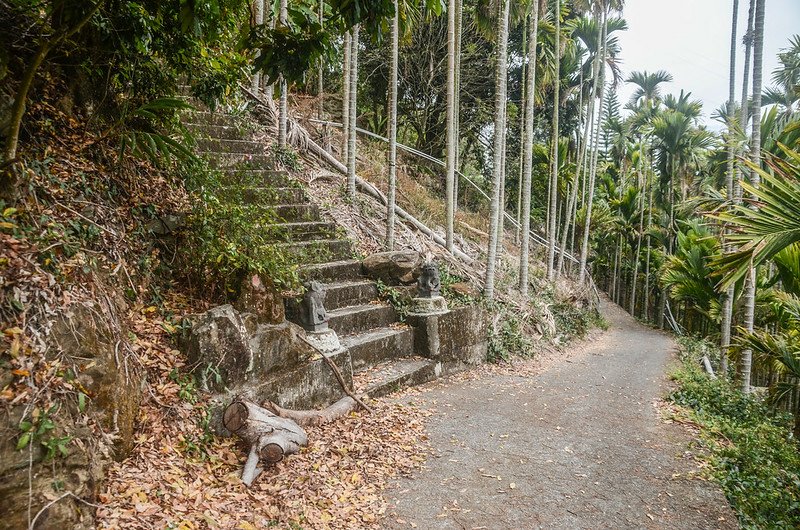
[[334, 271], [302, 231], [201, 117], [379, 345], [391, 376], [343, 294], [227, 146], [256, 177], [352, 320], [217, 132], [268, 195], [317, 250], [293, 213], [240, 161]]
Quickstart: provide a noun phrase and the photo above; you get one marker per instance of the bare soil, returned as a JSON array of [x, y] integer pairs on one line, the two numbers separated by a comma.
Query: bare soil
[[572, 444]]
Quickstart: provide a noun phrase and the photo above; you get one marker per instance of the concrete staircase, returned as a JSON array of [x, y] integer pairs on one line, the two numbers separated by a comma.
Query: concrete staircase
[[381, 347]]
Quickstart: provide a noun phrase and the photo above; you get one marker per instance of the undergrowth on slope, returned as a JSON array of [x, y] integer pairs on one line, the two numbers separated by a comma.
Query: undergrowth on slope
[[748, 445]]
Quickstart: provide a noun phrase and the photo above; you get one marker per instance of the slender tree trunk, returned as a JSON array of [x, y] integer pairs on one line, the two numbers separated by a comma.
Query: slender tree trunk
[[649, 243], [451, 132], [283, 109], [596, 147], [634, 280], [391, 195], [746, 107], [457, 103], [258, 8], [321, 69], [755, 153], [346, 96], [523, 107], [501, 222], [353, 114], [552, 230], [527, 150], [727, 302], [499, 131]]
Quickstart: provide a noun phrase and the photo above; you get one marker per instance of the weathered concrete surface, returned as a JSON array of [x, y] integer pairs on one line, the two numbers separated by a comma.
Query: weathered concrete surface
[[582, 444], [457, 338]]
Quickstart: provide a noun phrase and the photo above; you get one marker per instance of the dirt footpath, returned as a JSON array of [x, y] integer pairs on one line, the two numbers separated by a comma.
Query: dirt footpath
[[578, 446]]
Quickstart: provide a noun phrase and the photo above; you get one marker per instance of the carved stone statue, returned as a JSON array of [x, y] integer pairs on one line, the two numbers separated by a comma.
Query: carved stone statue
[[312, 311], [428, 284]]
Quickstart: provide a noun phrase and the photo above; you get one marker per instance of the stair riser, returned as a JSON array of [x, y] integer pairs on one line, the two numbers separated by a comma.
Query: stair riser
[[322, 252], [383, 349], [343, 296], [272, 196], [297, 233], [230, 146], [377, 317], [423, 375], [209, 118], [217, 132], [334, 272], [256, 177], [295, 213], [241, 161]]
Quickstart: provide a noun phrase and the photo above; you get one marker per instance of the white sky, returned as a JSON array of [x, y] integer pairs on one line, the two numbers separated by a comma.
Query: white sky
[[691, 40]]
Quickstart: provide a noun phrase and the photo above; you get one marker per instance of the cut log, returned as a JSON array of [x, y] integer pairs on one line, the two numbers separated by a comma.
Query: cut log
[[306, 418], [269, 436]]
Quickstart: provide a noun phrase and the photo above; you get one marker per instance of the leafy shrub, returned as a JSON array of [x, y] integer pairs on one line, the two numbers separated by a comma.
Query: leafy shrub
[[507, 336], [752, 454], [575, 322], [226, 238]]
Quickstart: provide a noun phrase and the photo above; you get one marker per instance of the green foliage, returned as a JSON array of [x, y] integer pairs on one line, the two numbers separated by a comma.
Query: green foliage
[[507, 336], [227, 236], [686, 272], [141, 131], [187, 384], [751, 453], [574, 322], [40, 429], [401, 302], [774, 226]]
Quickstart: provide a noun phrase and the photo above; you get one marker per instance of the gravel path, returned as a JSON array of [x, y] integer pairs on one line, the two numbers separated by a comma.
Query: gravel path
[[580, 445]]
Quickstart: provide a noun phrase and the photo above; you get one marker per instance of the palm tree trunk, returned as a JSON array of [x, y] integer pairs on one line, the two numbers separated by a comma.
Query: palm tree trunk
[[499, 130], [527, 150], [649, 243], [283, 106], [745, 110], [346, 96], [596, 147], [501, 224], [524, 106], [552, 229], [255, 81], [390, 196], [451, 132], [351, 141], [727, 302], [457, 102], [755, 154], [632, 306]]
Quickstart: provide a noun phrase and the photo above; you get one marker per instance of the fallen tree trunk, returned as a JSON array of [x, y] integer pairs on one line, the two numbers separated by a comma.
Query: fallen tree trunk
[[306, 418], [270, 436]]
